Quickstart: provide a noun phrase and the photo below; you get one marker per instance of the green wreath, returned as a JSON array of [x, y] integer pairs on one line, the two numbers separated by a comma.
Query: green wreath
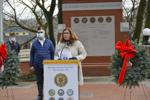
[[137, 71]]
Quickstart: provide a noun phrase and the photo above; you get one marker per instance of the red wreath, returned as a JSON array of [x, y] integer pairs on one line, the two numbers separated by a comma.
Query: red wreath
[[3, 54], [126, 51]]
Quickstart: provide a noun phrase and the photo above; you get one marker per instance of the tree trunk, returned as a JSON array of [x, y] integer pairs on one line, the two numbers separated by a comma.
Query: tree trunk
[[147, 21], [139, 20], [49, 19], [60, 15]]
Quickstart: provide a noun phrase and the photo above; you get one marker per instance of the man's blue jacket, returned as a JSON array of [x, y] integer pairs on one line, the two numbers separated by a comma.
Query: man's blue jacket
[[39, 53]]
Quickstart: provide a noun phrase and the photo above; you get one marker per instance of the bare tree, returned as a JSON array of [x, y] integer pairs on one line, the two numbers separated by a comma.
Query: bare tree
[[42, 11], [147, 21], [139, 20], [138, 16], [130, 12], [60, 15]]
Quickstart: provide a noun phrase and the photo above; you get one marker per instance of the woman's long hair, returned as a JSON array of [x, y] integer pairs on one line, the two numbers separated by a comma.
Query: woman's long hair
[[73, 36]]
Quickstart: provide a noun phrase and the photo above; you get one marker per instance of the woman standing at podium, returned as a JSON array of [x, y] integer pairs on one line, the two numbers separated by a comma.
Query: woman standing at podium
[[70, 48]]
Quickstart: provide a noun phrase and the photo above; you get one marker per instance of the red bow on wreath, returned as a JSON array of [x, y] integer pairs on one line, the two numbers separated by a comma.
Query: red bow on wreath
[[3, 54], [127, 51]]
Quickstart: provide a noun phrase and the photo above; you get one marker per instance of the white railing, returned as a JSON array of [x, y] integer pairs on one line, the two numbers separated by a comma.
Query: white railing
[[24, 55]]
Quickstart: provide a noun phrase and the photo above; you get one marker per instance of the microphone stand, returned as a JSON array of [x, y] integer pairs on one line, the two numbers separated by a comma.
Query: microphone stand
[[66, 43]]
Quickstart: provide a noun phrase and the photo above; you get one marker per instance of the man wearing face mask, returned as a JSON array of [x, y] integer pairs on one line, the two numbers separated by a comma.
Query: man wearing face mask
[[42, 49], [12, 44]]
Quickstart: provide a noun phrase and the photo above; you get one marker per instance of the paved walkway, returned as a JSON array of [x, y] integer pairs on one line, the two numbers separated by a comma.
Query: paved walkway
[[93, 89]]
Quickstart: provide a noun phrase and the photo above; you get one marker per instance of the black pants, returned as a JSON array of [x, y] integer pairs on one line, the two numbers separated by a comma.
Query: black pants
[[39, 77]]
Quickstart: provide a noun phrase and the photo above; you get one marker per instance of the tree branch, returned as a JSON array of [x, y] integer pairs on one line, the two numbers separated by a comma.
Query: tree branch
[[15, 18], [52, 8], [41, 6], [43, 2], [34, 12]]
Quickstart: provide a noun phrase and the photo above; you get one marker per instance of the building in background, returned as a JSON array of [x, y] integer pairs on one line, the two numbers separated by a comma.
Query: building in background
[[22, 36], [98, 24]]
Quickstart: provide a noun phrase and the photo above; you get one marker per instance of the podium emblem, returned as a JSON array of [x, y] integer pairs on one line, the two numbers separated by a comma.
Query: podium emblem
[[51, 98], [61, 98], [51, 92], [70, 98], [61, 79], [60, 92], [70, 92]]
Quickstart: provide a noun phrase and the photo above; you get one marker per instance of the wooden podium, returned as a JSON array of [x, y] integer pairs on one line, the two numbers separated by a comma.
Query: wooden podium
[[61, 80]]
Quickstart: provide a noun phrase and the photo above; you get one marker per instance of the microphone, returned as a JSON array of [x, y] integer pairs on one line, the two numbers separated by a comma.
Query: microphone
[[67, 43]]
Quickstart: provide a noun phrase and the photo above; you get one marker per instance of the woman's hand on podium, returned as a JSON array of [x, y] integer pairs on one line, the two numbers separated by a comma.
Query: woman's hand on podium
[[73, 58]]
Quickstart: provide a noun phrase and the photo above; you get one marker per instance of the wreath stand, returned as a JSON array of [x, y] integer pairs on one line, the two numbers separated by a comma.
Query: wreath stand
[[131, 91], [128, 59], [7, 93]]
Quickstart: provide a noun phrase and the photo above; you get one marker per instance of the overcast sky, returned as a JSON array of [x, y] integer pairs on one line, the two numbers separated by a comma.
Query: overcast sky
[[128, 3], [27, 12]]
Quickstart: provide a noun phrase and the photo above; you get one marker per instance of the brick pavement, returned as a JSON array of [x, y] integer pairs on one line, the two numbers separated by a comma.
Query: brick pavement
[[89, 91]]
